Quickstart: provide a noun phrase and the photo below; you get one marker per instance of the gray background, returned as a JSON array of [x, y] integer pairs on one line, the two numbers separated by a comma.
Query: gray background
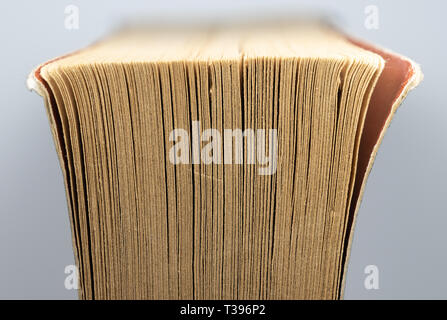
[[401, 226]]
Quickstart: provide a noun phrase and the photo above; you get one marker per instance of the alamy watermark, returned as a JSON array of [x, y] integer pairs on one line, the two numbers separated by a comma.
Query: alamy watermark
[[71, 281], [371, 17], [71, 21], [211, 147], [372, 278]]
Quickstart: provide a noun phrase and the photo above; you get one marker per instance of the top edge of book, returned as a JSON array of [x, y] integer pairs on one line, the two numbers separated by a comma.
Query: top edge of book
[[140, 44], [147, 44]]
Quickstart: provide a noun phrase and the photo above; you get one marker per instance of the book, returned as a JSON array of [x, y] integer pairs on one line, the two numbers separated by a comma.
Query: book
[[221, 163]]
